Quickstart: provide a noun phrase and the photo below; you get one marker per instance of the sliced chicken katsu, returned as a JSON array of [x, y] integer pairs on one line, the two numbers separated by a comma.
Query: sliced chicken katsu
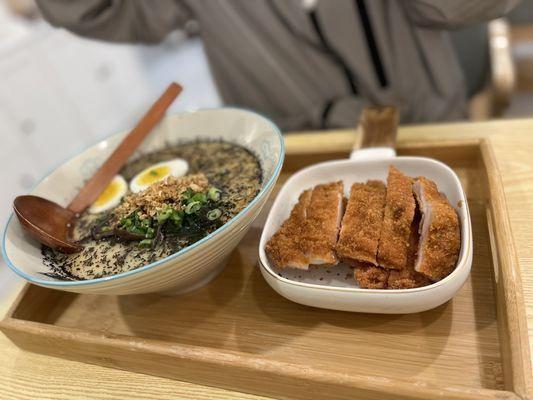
[[408, 278], [361, 223], [440, 235], [321, 227], [369, 276], [284, 248], [397, 218]]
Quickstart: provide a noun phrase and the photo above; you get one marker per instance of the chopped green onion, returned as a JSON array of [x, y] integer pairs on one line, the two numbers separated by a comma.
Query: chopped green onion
[[162, 216], [188, 194], [193, 207], [153, 172], [176, 217], [145, 243], [127, 222], [214, 194], [135, 229], [150, 232], [199, 197], [214, 214], [146, 223]]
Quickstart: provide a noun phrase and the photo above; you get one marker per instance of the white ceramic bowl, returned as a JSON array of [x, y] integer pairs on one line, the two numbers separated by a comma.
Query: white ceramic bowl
[[189, 268], [337, 289]]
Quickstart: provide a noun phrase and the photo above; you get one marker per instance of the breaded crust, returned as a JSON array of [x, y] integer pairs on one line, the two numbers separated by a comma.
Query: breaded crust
[[440, 234], [397, 218], [361, 224], [321, 228], [408, 278], [371, 277], [283, 248]]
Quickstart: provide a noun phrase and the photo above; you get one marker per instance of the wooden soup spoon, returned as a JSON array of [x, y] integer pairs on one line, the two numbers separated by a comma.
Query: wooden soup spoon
[[50, 223]]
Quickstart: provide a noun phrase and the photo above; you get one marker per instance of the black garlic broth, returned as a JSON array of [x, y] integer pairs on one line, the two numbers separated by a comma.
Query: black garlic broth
[[114, 244]]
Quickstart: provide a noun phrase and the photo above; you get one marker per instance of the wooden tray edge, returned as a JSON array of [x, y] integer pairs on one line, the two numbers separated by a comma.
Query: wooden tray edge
[[196, 365], [18, 299], [343, 141], [518, 365]]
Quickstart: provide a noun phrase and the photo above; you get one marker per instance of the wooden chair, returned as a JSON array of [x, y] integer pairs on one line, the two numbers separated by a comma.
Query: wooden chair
[[484, 52]]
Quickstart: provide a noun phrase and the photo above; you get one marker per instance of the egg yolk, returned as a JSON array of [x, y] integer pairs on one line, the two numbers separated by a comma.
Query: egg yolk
[[109, 193], [153, 175]]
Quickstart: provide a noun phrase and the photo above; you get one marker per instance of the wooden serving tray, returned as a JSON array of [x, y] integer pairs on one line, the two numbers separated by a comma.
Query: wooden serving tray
[[237, 333]]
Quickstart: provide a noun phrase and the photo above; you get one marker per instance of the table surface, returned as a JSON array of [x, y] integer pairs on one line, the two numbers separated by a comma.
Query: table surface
[[25, 375]]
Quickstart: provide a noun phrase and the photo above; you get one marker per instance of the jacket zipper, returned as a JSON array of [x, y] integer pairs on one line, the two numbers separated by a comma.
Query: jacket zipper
[[371, 42]]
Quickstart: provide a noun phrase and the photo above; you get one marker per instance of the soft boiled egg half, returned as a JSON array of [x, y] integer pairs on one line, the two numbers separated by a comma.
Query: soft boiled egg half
[[111, 195], [157, 172]]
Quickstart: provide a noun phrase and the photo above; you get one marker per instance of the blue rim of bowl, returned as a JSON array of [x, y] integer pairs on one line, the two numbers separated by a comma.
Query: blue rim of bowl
[[260, 195]]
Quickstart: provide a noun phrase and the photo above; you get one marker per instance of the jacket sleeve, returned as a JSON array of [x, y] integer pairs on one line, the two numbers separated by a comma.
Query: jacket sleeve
[[117, 20], [450, 14]]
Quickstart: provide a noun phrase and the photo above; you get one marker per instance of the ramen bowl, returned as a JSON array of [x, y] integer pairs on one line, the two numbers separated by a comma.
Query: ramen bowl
[[187, 269]]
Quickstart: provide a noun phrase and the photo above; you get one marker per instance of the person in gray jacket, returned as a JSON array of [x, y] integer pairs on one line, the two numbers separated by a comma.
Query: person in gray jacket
[[307, 64]]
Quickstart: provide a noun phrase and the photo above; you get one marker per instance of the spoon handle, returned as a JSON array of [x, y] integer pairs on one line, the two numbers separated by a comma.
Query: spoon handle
[[99, 181], [377, 127]]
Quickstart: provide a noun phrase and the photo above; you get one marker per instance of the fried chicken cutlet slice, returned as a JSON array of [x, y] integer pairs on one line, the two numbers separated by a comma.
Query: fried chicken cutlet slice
[[369, 276], [372, 277], [321, 227], [361, 224], [440, 235], [408, 278], [284, 248], [397, 218]]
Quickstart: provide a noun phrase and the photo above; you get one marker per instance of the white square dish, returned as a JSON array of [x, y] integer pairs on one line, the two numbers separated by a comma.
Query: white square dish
[[334, 289]]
